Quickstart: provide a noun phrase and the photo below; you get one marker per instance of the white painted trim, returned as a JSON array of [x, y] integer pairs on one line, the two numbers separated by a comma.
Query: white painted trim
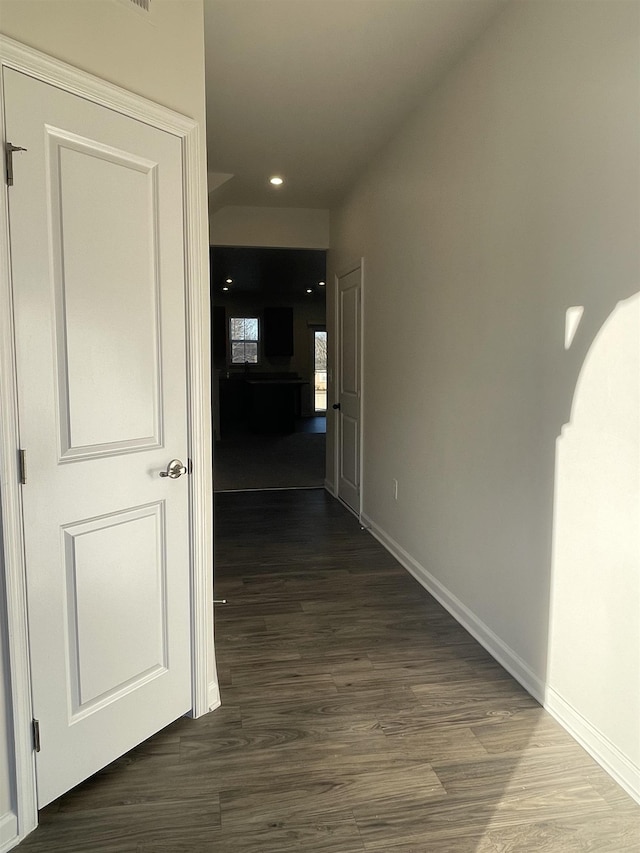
[[8, 831], [617, 765], [505, 656], [25, 807], [70, 79], [199, 410], [359, 264], [24, 59], [350, 509], [214, 696], [625, 773], [361, 460], [336, 378], [329, 488]]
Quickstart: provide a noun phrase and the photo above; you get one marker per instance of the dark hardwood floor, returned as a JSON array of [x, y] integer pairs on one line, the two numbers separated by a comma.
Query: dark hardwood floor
[[357, 715]]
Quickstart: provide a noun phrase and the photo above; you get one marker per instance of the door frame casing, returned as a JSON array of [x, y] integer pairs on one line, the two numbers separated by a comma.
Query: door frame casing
[[205, 694], [342, 272]]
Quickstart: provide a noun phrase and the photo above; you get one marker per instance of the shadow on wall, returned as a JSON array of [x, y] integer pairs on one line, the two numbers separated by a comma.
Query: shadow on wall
[[510, 199], [594, 596]]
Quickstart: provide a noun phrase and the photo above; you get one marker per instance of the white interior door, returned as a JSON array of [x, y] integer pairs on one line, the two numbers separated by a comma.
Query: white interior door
[[349, 387], [97, 252]]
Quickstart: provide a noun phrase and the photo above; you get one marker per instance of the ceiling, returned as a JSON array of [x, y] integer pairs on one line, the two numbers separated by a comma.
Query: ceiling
[[312, 89]]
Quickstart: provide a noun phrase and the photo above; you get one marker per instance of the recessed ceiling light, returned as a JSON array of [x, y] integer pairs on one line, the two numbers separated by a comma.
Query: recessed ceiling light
[[229, 281], [321, 283], [225, 287], [309, 290], [276, 180]]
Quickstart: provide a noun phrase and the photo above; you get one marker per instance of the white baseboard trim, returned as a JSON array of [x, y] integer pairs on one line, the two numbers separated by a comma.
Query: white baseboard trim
[[330, 488], [505, 656], [8, 832], [214, 696], [620, 768], [608, 756]]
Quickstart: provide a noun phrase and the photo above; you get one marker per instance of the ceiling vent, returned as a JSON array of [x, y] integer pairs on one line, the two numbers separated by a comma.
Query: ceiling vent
[[142, 6]]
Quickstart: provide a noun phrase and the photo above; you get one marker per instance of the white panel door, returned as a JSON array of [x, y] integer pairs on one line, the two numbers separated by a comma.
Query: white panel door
[[97, 249], [349, 382]]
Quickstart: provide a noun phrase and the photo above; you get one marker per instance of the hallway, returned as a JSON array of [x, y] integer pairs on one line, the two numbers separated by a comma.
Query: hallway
[[357, 715], [243, 460]]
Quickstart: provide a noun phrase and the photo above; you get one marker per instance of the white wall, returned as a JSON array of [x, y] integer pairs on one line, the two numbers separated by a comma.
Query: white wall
[[162, 60], [509, 197], [594, 637], [279, 227]]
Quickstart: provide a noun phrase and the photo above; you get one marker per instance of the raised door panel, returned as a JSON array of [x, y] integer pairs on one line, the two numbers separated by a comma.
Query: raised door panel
[[349, 368], [107, 332], [349, 452], [116, 605]]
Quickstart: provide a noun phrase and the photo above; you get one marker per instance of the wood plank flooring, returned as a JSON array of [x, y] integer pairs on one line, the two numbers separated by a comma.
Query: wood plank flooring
[[243, 460], [357, 716]]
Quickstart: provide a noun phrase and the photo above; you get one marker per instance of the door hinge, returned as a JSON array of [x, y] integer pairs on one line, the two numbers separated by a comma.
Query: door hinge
[[22, 466], [9, 151], [36, 735]]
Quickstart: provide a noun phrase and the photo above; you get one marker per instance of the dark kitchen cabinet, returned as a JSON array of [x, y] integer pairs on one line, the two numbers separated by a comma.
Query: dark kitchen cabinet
[[278, 332], [219, 332]]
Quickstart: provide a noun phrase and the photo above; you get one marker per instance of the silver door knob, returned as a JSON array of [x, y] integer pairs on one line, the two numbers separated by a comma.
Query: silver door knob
[[175, 469]]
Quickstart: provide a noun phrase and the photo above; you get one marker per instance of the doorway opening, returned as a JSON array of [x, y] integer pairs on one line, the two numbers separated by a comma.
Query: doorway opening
[[268, 382]]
